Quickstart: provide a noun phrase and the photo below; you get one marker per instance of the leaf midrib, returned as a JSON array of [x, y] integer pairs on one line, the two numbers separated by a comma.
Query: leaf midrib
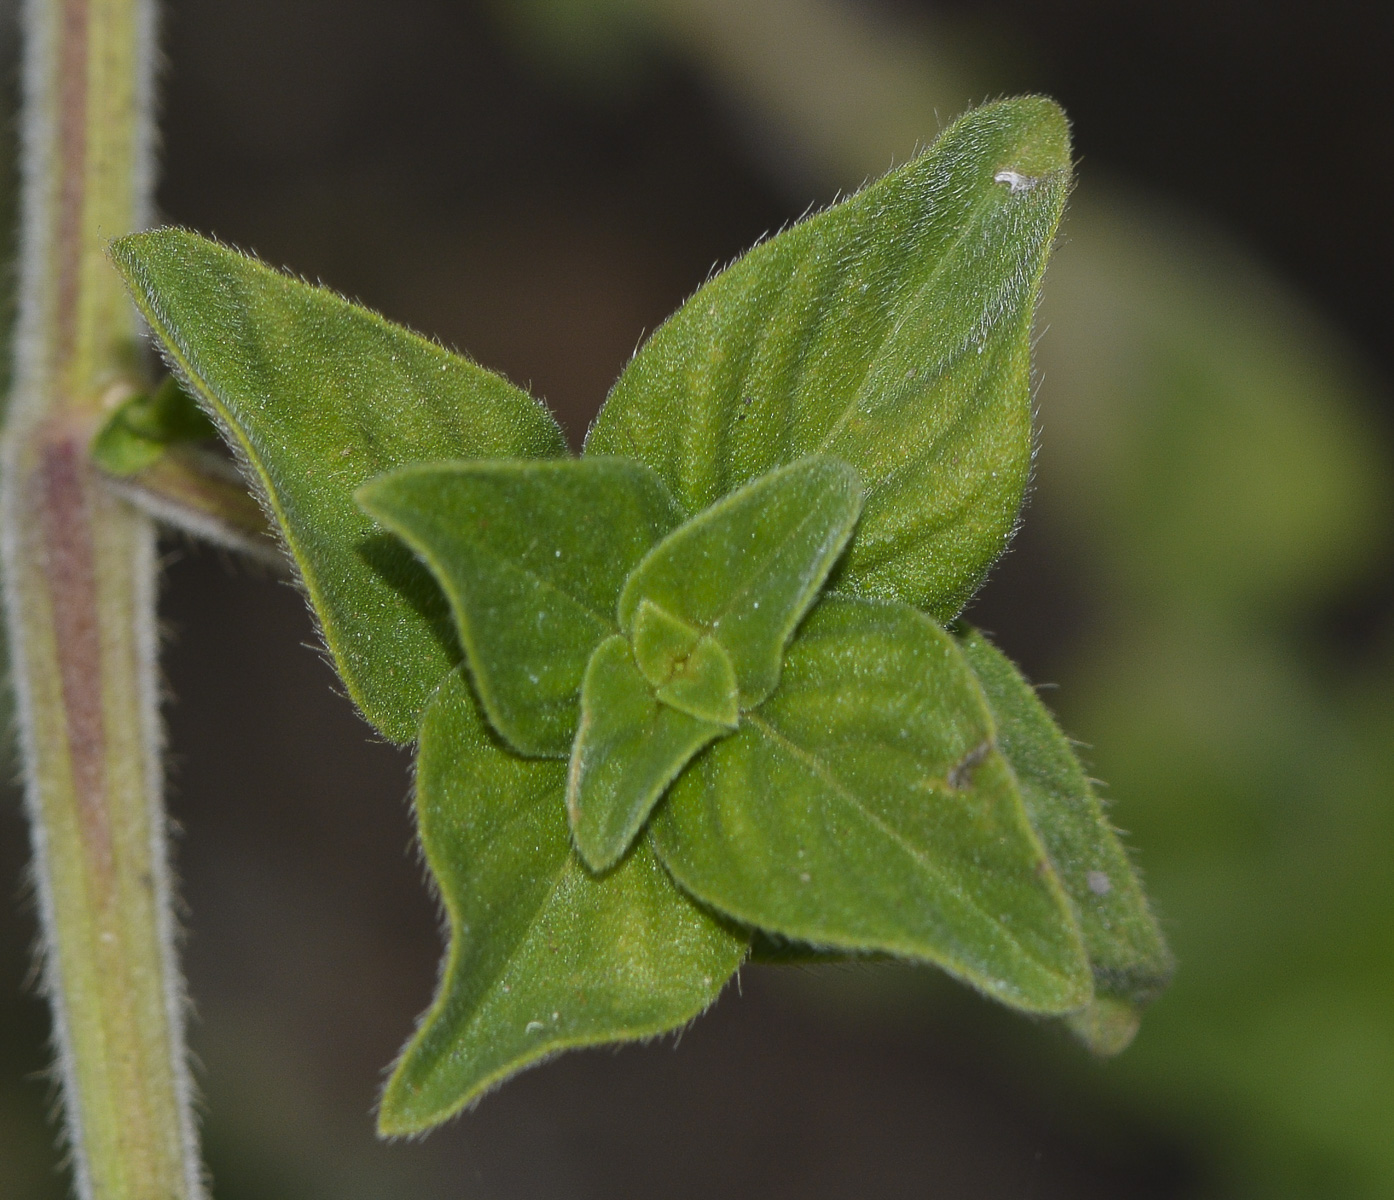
[[893, 329], [530, 573], [824, 772]]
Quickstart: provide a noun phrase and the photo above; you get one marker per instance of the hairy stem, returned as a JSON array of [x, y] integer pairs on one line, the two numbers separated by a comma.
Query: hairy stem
[[79, 573]]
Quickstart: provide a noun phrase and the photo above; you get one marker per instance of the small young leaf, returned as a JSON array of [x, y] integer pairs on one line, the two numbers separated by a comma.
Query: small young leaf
[[864, 807], [140, 431], [543, 955], [688, 669], [532, 557], [704, 685], [661, 642], [747, 568], [317, 396], [1128, 954], [892, 330], [629, 747]]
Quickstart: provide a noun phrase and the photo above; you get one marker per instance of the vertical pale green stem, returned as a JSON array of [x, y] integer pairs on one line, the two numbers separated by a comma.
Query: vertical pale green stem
[[79, 590]]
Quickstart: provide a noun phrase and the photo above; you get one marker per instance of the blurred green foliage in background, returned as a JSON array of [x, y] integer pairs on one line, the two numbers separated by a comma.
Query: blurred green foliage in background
[[1211, 480]]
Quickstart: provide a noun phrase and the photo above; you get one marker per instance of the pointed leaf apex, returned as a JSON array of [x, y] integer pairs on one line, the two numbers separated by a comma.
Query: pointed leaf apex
[[1042, 144]]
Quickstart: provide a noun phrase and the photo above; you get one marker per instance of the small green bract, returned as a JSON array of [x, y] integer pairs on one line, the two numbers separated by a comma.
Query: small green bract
[[696, 687]]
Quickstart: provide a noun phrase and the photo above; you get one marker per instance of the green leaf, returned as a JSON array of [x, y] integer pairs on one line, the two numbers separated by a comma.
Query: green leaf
[[893, 331], [142, 428], [662, 643], [629, 748], [1128, 954], [746, 569], [709, 610], [543, 955], [770, 950], [864, 807], [703, 685], [532, 557], [317, 396]]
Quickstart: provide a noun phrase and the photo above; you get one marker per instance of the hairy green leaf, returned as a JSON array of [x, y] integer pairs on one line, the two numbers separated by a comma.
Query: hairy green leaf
[[317, 396], [746, 569], [865, 807], [543, 955], [662, 643], [893, 331], [533, 557], [1128, 954], [142, 428], [703, 684], [629, 748]]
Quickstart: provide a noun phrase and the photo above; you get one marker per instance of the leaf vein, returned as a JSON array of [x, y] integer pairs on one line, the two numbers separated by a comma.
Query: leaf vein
[[824, 772]]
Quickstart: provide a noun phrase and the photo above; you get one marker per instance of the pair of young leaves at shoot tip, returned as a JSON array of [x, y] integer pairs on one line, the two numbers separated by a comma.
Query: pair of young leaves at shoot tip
[[872, 783], [578, 579]]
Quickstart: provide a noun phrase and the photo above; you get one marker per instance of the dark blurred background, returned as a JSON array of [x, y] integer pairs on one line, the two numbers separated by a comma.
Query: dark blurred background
[[1205, 571]]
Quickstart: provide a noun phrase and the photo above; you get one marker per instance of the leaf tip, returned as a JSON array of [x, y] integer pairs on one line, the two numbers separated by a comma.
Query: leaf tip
[[1037, 141], [1106, 1025], [371, 497], [601, 854], [130, 252], [412, 1103]]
